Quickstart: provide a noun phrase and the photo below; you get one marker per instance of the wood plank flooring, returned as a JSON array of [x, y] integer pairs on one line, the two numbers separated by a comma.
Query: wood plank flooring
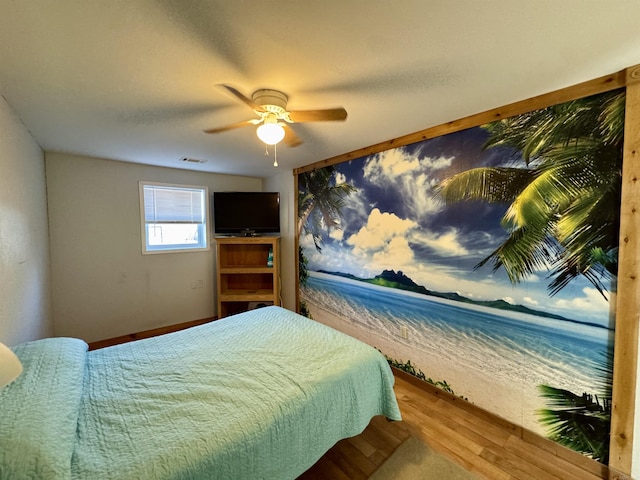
[[490, 447]]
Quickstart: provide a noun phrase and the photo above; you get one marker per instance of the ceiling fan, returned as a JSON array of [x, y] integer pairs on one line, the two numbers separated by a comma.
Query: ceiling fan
[[273, 118]]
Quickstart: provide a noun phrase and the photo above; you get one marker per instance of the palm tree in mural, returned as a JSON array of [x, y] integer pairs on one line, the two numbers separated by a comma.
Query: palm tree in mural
[[320, 200], [564, 200], [581, 422], [563, 214]]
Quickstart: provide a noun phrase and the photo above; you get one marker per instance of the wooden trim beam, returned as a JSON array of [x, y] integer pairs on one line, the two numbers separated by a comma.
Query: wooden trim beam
[[625, 358], [296, 242]]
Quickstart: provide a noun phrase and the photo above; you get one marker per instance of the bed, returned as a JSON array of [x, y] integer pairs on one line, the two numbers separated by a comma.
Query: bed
[[259, 395]]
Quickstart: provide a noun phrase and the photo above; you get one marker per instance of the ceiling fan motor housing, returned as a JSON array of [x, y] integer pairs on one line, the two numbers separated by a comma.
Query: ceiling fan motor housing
[[266, 98]]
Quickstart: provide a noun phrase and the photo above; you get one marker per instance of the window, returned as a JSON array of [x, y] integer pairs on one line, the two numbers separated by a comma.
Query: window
[[173, 217]]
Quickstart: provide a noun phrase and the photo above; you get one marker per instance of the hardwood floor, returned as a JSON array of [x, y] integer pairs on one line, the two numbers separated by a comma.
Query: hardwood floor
[[484, 444]]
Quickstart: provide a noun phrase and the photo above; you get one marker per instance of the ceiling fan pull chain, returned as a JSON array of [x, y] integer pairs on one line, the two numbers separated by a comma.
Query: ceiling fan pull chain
[[275, 155]]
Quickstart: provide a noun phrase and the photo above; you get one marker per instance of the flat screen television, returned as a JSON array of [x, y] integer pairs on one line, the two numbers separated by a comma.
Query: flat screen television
[[246, 213]]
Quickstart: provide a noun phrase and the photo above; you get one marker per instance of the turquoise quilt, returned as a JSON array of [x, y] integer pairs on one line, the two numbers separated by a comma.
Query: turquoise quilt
[[261, 395], [39, 410]]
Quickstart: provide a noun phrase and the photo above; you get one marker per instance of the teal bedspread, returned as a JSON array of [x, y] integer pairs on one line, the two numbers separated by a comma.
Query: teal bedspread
[[262, 395], [39, 410]]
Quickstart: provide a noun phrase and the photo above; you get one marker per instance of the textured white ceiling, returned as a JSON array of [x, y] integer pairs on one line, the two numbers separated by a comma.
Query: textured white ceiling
[[135, 80]]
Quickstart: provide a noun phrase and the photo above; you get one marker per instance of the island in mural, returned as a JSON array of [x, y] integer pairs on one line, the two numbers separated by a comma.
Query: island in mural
[[485, 258]]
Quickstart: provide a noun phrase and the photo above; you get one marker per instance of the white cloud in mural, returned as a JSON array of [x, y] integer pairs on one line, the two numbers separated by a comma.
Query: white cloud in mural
[[382, 244], [357, 206], [339, 177], [533, 278], [509, 300], [443, 279], [591, 301], [306, 242], [331, 259], [530, 301], [397, 162], [336, 234], [395, 255], [410, 174], [439, 163], [380, 229], [417, 191], [390, 164], [444, 244]]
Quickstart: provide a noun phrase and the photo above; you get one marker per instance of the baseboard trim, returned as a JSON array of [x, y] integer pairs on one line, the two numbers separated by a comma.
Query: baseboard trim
[[148, 333]]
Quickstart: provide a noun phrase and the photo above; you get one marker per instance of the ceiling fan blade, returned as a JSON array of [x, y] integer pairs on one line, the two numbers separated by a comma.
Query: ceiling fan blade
[[290, 137], [240, 96], [328, 115], [244, 123]]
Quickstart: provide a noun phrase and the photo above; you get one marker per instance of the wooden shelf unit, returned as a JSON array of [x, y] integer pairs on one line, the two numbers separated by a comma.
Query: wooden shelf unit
[[242, 273]]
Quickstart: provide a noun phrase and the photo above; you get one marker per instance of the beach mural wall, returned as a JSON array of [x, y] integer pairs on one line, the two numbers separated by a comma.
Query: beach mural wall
[[483, 261]]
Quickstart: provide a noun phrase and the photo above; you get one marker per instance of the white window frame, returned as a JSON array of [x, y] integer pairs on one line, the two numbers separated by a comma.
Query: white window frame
[[203, 229]]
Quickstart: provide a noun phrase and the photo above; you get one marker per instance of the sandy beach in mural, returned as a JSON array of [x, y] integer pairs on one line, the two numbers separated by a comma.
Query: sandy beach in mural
[[516, 403]]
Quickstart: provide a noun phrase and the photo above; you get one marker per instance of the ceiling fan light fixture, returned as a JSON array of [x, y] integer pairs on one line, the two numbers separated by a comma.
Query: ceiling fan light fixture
[[270, 106], [270, 133]]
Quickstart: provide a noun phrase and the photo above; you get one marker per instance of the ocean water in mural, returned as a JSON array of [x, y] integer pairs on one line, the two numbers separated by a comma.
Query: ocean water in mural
[[514, 351], [486, 257], [516, 348]]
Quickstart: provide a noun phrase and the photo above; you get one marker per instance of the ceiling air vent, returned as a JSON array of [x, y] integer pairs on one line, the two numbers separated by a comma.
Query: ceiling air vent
[[192, 160]]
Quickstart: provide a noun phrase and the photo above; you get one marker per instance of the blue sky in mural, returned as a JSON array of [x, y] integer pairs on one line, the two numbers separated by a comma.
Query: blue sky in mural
[[394, 222]]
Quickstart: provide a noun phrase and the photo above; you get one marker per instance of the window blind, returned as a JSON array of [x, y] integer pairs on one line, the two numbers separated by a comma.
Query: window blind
[[173, 205]]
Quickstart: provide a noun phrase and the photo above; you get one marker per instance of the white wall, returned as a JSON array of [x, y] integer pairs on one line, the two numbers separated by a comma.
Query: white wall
[[25, 301], [102, 285], [283, 182]]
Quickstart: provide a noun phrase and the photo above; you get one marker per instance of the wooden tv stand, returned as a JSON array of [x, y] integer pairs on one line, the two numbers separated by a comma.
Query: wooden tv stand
[[243, 277]]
